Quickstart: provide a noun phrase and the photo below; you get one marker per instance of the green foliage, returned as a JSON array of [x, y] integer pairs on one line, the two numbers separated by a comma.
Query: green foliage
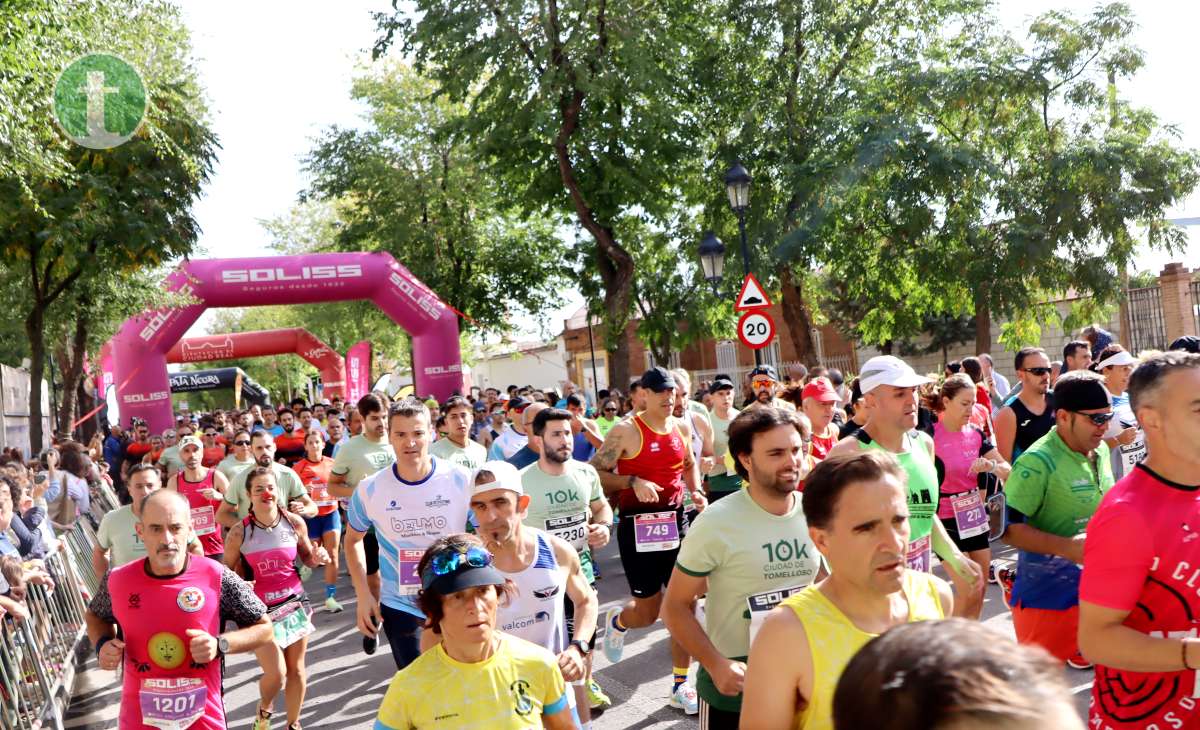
[[401, 186]]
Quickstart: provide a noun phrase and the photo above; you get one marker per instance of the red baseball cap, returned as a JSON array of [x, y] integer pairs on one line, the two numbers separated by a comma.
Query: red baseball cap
[[821, 389]]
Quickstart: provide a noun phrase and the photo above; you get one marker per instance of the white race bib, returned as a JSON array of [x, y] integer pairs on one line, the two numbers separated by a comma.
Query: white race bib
[[572, 528], [761, 604]]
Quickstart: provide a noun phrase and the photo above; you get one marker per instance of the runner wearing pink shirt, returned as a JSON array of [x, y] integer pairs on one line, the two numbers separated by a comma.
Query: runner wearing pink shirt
[[1140, 590], [170, 608], [269, 540]]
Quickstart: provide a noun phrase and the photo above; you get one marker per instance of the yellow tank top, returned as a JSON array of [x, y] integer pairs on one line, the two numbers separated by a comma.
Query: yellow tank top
[[834, 640]]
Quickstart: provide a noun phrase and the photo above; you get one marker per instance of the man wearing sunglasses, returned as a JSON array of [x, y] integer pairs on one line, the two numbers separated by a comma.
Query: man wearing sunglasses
[[1030, 415], [239, 458], [1054, 489], [764, 383], [514, 437]]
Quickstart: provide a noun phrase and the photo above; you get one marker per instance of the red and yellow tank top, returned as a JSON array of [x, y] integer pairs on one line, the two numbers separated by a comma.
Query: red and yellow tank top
[[315, 478], [660, 460]]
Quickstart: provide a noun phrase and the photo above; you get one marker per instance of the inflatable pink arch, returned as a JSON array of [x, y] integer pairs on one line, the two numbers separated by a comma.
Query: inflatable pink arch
[[261, 343], [139, 349]]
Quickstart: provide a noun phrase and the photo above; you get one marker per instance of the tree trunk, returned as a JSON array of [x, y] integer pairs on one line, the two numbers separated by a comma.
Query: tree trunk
[[796, 317], [983, 323], [37, 365], [72, 373]]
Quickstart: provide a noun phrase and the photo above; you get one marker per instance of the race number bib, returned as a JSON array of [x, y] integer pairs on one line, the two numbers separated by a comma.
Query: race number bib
[[969, 513], [761, 604], [1133, 454], [655, 531], [410, 580], [320, 494], [290, 623], [920, 554], [572, 528], [172, 704], [204, 520]]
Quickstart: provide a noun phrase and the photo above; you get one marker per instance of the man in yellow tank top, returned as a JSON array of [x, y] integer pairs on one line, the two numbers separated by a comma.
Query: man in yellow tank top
[[856, 507]]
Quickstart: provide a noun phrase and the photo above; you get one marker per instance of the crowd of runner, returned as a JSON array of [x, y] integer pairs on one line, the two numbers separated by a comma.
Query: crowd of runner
[[786, 531]]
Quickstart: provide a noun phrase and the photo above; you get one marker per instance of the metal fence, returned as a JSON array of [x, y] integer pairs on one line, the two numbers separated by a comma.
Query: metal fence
[[1147, 326], [38, 656]]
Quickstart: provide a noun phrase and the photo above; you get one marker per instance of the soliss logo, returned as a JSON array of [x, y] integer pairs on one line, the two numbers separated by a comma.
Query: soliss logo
[[159, 318], [147, 397], [242, 276], [419, 298], [443, 369]]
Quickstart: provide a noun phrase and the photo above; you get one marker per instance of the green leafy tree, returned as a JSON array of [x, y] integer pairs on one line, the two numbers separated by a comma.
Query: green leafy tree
[[116, 211], [400, 186], [574, 107]]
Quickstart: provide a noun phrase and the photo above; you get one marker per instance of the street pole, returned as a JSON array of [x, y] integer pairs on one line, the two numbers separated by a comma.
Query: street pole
[[592, 347], [741, 215]]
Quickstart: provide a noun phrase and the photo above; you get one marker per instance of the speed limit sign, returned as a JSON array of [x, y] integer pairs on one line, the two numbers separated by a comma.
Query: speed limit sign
[[755, 329]]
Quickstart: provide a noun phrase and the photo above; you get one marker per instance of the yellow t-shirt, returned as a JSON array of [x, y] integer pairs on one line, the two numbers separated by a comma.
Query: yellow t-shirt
[[834, 640], [511, 690]]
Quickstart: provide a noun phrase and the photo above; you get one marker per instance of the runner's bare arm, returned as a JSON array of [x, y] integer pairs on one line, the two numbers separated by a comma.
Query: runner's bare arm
[[778, 673], [251, 637], [587, 605], [560, 720], [1002, 468], [308, 508], [99, 560], [304, 546], [338, 487], [227, 514], [1027, 537], [606, 457], [220, 483], [591, 432], [172, 482], [1104, 639], [368, 611], [679, 614], [691, 469], [233, 546], [602, 513], [962, 570], [194, 547], [847, 445], [1005, 425]]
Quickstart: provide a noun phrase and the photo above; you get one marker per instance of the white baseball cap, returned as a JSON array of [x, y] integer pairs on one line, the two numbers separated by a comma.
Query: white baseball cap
[[506, 477], [1117, 358], [888, 370]]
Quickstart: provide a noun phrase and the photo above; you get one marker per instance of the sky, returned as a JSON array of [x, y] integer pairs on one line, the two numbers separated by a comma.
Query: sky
[[278, 73]]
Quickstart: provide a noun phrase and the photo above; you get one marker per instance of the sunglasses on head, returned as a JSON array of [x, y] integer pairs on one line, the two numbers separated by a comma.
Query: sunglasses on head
[[1099, 419], [1037, 371], [448, 561]]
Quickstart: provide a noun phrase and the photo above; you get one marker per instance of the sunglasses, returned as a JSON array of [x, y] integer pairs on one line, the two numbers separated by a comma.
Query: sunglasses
[[610, 410], [243, 442], [448, 561], [763, 382], [210, 433], [1039, 372], [1098, 419]]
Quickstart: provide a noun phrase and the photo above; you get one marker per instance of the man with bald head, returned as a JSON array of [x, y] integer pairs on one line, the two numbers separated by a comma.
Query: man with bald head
[[170, 607], [530, 452]]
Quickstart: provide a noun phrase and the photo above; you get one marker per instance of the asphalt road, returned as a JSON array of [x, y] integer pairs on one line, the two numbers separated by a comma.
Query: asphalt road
[[345, 686]]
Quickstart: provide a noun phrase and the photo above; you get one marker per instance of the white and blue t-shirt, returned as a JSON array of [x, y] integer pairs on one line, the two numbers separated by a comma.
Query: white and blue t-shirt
[[408, 517]]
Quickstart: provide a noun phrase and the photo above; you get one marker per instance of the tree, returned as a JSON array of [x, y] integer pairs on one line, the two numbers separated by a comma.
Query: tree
[[579, 107], [119, 210], [400, 186]]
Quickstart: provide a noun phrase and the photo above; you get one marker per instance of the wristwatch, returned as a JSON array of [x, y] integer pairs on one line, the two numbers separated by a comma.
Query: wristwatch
[[222, 645], [583, 645]]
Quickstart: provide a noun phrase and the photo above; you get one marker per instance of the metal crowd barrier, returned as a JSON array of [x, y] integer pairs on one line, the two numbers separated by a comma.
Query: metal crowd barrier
[[38, 656]]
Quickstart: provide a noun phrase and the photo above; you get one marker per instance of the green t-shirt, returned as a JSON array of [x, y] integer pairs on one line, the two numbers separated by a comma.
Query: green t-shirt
[[170, 459], [562, 505], [360, 457], [287, 482], [472, 457], [605, 425], [743, 551], [119, 537], [720, 427], [1055, 487], [231, 467]]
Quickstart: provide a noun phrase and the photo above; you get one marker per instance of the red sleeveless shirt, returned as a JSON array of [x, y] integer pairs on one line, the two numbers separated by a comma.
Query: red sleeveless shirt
[[660, 460]]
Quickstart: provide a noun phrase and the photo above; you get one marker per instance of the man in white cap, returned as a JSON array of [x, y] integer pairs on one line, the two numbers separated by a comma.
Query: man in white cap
[[545, 569], [889, 388]]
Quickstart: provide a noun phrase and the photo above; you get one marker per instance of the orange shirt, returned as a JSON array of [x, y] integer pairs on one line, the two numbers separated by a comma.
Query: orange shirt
[[315, 476]]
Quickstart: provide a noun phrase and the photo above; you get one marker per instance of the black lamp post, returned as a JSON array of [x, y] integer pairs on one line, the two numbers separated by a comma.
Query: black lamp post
[[737, 186], [712, 259]]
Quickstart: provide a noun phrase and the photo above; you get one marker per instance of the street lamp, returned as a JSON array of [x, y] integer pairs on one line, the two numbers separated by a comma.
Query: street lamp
[[712, 259], [737, 186]]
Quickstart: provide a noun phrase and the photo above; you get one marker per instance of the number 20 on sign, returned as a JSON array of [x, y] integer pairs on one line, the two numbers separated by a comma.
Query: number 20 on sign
[[756, 329]]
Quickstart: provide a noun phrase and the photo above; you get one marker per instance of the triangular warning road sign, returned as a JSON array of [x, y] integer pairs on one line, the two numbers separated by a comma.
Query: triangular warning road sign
[[752, 296]]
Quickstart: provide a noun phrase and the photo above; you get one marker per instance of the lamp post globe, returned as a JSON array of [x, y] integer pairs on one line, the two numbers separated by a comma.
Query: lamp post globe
[[712, 259], [737, 186]]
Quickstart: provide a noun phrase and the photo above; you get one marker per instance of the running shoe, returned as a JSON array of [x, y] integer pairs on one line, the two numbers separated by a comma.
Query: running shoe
[[992, 572], [262, 721], [1077, 661], [684, 698], [614, 640], [332, 606], [596, 697]]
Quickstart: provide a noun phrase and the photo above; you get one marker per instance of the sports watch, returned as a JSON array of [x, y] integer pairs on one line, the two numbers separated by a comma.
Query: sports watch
[[222, 645], [583, 645]]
